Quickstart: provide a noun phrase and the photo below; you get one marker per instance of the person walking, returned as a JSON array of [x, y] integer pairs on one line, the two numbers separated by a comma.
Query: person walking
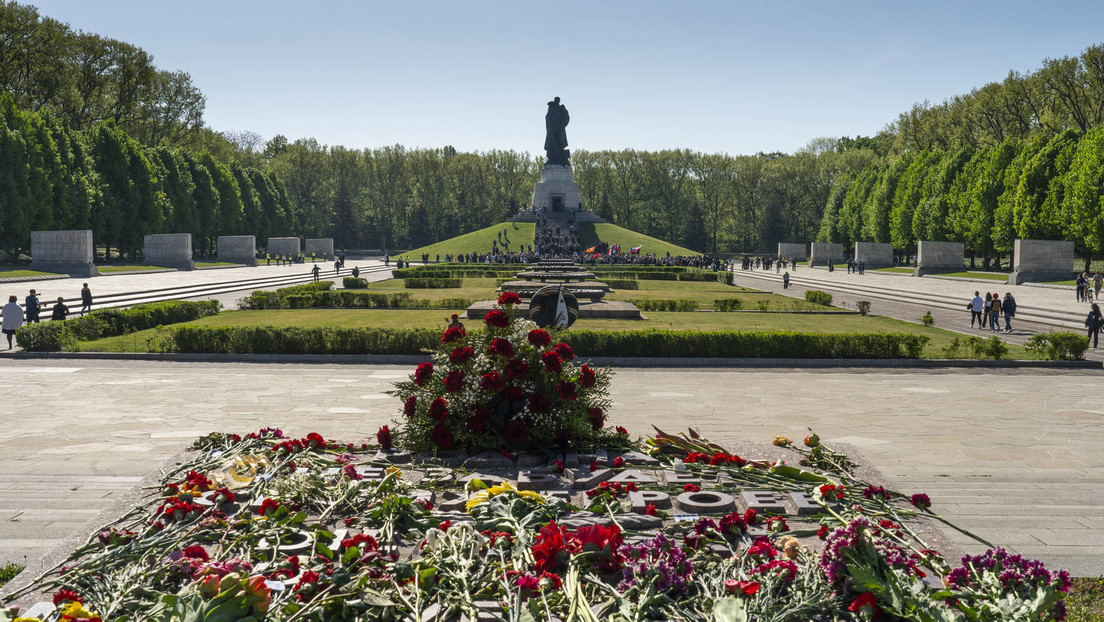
[[975, 306], [985, 310], [786, 280], [315, 271], [1093, 322], [60, 311], [1097, 280], [86, 299], [356, 272], [1081, 283], [1009, 309], [994, 313], [33, 306], [13, 318]]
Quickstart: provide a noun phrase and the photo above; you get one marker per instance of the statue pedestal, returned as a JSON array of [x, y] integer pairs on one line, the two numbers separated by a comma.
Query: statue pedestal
[[557, 193]]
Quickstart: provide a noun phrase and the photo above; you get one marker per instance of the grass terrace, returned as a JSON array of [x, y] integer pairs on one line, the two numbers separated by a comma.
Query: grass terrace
[[215, 264], [592, 233], [895, 270], [16, 273], [475, 242], [970, 274], [129, 268]]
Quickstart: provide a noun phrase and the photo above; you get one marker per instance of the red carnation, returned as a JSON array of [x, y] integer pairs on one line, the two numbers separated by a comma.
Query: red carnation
[[622, 431], [509, 298], [538, 403], [453, 333], [501, 347], [597, 420], [65, 595], [565, 351], [497, 319], [493, 382], [410, 406], [516, 368], [586, 377], [551, 362], [438, 410], [567, 390], [268, 505], [866, 599], [514, 393], [461, 356], [477, 422], [383, 437], [515, 433], [316, 441], [618, 462], [441, 436], [423, 374], [539, 338], [195, 552], [454, 381]]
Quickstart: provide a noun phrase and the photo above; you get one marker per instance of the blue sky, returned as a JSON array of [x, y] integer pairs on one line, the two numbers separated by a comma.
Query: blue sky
[[735, 77]]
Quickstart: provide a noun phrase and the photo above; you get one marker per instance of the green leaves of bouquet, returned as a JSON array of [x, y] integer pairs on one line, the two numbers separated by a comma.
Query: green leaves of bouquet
[[508, 386]]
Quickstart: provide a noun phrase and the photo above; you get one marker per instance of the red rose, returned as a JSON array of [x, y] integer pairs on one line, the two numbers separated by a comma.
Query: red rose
[[539, 338], [493, 382], [618, 462], [538, 403], [453, 333], [383, 436], [461, 356], [822, 533], [66, 595], [692, 488], [551, 362], [622, 431], [423, 374], [509, 298], [515, 433], [441, 436], [516, 368], [438, 410], [454, 381], [567, 390], [866, 599], [514, 394], [565, 351], [268, 505], [586, 377], [316, 441], [497, 319], [478, 421], [597, 420], [501, 347], [410, 406]]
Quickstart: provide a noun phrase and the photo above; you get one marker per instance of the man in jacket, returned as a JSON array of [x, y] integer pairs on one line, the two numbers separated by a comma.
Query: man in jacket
[[1009, 309]]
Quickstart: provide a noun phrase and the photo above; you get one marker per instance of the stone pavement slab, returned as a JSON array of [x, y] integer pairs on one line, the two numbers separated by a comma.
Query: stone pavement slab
[[1012, 454]]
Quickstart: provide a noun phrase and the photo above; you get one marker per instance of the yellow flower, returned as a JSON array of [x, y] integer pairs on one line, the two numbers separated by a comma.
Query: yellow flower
[[395, 470], [484, 495], [27, 620], [782, 441], [76, 611], [790, 547]]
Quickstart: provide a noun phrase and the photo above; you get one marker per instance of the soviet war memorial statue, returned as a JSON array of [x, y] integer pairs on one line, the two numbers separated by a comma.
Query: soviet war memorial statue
[[555, 141]]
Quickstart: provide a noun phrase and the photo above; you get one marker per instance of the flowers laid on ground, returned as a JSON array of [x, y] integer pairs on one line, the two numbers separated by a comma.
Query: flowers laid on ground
[[508, 385], [269, 528]]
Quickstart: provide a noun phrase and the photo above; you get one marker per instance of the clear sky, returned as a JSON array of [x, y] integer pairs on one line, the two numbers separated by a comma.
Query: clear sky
[[735, 77]]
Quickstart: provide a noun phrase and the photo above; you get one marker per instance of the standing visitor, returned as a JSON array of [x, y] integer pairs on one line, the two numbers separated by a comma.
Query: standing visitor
[[975, 306], [1098, 280], [13, 319], [786, 280], [86, 299], [33, 306], [1081, 282], [60, 311], [994, 313], [1009, 308], [1094, 322], [985, 310], [315, 271], [356, 272]]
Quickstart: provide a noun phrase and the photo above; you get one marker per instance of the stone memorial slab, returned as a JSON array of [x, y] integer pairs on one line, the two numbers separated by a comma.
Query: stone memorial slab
[[171, 250], [68, 252], [936, 257], [237, 249], [825, 252], [320, 247], [1042, 260], [875, 254], [283, 246], [792, 250]]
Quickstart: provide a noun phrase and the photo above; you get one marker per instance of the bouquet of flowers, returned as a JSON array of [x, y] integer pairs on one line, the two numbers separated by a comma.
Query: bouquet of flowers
[[511, 385]]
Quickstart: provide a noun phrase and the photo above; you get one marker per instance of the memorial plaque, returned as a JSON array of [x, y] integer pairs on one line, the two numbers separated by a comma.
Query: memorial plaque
[[67, 252], [170, 250], [237, 249]]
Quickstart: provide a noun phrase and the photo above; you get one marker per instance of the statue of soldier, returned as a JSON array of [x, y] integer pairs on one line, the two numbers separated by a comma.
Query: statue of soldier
[[555, 141]]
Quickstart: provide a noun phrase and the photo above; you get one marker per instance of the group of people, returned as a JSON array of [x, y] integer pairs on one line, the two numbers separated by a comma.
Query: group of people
[[15, 316], [287, 259], [988, 310], [1084, 293], [766, 263]]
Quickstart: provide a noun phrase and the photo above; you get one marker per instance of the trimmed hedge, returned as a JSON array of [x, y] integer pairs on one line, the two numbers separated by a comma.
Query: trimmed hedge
[[63, 335], [622, 283], [644, 343], [665, 305], [434, 272], [727, 278], [354, 283], [818, 297], [320, 295], [728, 304], [432, 283], [699, 276], [658, 276]]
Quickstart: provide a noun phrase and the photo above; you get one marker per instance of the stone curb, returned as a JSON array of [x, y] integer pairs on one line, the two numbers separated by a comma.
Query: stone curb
[[626, 361], [122, 272], [44, 277], [1050, 286]]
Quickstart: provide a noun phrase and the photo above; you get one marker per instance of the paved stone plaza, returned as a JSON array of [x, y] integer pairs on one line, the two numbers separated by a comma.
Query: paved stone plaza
[[1013, 456]]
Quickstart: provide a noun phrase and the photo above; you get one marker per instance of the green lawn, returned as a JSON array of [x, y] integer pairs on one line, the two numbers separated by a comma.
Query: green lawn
[[130, 268], [592, 233], [215, 264], [475, 242], [969, 274], [14, 274], [899, 270], [385, 318]]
